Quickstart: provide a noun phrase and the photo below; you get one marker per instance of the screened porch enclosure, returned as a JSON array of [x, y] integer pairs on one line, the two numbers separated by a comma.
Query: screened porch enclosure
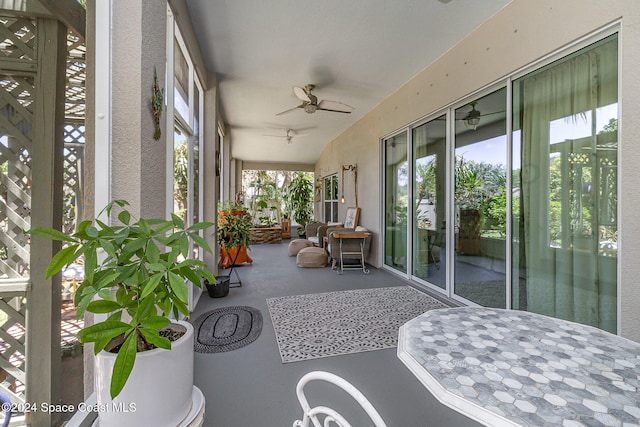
[[528, 200], [42, 111]]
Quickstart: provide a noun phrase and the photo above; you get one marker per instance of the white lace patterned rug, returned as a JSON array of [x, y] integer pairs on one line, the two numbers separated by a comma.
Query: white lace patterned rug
[[335, 323]]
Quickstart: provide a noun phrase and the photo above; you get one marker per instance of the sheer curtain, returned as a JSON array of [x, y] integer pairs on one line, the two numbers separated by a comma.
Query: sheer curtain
[[562, 279]]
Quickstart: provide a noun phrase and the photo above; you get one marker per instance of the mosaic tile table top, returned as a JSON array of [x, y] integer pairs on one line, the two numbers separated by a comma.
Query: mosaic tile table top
[[513, 368]]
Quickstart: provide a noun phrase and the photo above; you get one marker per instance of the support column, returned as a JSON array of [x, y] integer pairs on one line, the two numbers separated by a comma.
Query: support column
[[43, 374], [211, 186], [138, 160]]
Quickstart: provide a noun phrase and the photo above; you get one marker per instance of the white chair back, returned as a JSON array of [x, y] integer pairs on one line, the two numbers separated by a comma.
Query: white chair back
[[331, 416]]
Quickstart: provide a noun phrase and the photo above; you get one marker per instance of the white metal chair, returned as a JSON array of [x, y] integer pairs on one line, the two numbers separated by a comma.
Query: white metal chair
[[311, 414]]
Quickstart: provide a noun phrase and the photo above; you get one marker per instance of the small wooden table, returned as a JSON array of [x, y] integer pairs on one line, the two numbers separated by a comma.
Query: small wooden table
[[361, 235]]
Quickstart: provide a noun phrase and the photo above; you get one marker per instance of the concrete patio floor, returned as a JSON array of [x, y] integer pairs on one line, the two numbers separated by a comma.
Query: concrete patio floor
[[252, 387]]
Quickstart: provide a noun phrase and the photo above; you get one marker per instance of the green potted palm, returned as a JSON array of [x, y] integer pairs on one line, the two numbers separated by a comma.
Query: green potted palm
[[136, 274], [301, 200]]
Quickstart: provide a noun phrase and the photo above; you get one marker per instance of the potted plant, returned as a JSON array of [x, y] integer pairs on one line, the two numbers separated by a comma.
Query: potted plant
[[286, 226], [581, 236], [233, 234], [137, 273], [301, 200]]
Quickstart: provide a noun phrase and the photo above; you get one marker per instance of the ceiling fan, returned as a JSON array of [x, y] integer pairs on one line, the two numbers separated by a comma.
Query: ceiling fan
[[472, 118], [288, 136], [310, 103]]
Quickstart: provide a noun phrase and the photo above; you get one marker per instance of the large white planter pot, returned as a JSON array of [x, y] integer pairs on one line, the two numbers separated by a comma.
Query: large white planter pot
[[158, 392]]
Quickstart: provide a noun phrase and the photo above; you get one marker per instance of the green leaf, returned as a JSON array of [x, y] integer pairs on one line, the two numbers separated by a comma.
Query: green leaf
[[102, 330], [179, 287], [134, 245], [103, 306], [177, 221], [123, 365], [90, 263], [108, 280], [153, 253], [146, 310], [152, 284], [153, 337], [164, 305], [100, 344], [200, 242], [108, 247], [63, 257], [164, 227], [115, 317], [182, 307], [124, 217], [208, 275], [200, 226], [184, 246], [144, 226], [105, 294], [191, 275], [92, 232], [82, 301], [83, 225], [50, 233], [156, 322]]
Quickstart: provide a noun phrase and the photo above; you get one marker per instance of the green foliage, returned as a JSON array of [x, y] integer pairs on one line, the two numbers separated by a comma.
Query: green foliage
[[494, 210], [270, 187], [612, 126], [144, 275], [234, 225], [181, 178], [301, 198], [468, 183]]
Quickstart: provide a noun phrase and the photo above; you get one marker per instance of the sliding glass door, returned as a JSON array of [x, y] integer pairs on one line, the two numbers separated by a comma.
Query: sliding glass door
[[565, 213], [429, 195], [510, 199], [396, 201], [480, 202]]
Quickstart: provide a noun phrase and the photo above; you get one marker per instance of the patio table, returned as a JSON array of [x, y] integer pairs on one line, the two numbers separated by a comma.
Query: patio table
[[514, 368]]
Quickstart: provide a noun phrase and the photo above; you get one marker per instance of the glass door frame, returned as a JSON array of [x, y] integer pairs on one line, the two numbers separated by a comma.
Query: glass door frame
[[174, 118], [449, 265]]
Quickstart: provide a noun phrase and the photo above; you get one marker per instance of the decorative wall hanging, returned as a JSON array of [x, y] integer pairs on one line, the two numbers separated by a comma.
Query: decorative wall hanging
[[157, 100]]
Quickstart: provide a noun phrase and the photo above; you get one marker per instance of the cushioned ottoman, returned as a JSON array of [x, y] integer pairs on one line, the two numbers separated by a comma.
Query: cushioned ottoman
[[311, 257], [297, 244]]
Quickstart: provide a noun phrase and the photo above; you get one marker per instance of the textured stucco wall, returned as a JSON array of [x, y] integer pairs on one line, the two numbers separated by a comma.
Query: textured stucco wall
[[139, 161], [520, 34]]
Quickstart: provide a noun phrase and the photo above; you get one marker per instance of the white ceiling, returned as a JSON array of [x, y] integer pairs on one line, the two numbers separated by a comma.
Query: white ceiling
[[356, 52]]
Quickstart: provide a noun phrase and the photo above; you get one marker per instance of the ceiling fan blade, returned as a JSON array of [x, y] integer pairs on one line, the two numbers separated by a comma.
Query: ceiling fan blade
[[290, 110], [301, 94], [335, 106], [495, 112]]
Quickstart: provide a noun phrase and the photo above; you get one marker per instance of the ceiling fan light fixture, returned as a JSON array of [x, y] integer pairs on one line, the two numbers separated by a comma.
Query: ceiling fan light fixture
[[473, 118], [472, 122], [310, 108]]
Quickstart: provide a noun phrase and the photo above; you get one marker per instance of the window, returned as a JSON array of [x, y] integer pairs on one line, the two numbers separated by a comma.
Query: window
[[331, 199], [185, 101]]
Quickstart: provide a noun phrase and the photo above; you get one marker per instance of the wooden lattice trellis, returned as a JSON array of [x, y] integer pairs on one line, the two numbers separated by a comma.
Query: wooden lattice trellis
[[16, 123], [17, 79], [73, 188]]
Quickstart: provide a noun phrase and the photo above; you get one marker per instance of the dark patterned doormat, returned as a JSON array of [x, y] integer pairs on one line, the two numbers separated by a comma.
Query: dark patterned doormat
[[336, 323], [226, 329]]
